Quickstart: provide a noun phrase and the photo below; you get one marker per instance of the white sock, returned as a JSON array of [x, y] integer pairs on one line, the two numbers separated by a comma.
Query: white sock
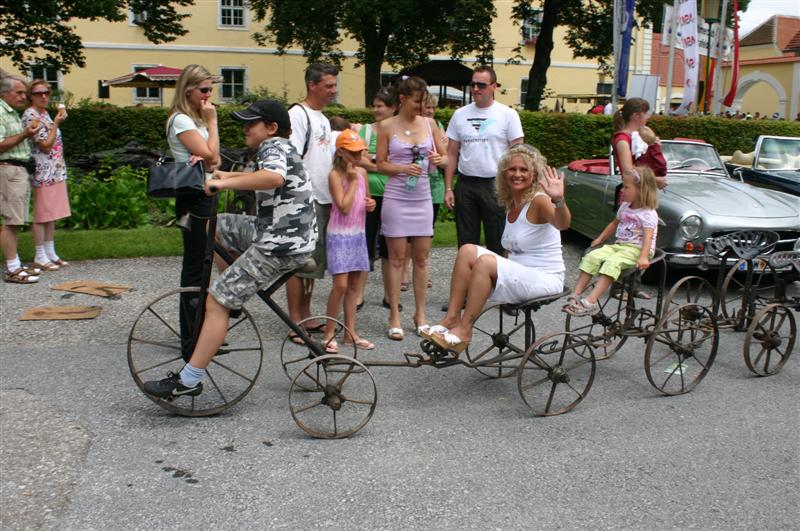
[[41, 255], [13, 264], [50, 249], [190, 375]]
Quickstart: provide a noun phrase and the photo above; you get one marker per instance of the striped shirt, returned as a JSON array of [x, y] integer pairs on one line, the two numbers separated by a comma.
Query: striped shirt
[[10, 125]]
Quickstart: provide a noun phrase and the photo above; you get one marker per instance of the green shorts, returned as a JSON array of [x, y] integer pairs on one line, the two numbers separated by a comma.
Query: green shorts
[[611, 260]]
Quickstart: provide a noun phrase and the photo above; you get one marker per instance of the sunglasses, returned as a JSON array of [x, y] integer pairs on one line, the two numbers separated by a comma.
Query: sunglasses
[[479, 85], [45, 93], [205, 90], [415, 152]]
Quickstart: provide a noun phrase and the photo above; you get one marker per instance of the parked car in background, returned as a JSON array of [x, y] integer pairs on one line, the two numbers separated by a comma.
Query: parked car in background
[[700, 201], [775, 164]]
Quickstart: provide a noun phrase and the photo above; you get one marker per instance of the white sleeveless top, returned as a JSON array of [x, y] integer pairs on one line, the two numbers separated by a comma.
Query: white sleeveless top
[[533, 245]]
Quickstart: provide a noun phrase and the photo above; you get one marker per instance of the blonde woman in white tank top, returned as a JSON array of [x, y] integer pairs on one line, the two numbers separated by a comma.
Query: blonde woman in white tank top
[[533, 195]]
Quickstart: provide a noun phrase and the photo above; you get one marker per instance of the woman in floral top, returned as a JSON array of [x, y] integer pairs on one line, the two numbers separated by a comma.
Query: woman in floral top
[[50, 199]]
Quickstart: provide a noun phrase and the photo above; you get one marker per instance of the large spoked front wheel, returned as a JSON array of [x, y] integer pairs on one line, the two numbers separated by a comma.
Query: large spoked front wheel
[[154, 349], [498, 342], [556, 373], [332, 397], [681, 349], [770, 340]]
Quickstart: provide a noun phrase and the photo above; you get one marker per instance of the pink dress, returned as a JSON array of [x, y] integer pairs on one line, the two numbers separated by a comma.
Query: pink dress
[[407, 208], [50, 197], [346, 238]]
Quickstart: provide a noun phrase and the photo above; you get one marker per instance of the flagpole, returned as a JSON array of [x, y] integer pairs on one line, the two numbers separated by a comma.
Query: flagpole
[[722, 31], [673, 24]]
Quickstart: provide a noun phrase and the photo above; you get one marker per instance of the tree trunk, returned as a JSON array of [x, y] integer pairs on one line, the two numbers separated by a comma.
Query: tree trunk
[[374, 53], [537, 78]]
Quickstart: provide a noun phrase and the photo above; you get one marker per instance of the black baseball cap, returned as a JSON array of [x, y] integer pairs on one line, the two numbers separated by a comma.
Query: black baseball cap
[[267, 110]]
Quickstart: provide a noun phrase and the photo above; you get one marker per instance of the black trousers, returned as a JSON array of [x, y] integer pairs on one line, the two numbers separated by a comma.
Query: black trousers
[[476, 204], [194, 246]]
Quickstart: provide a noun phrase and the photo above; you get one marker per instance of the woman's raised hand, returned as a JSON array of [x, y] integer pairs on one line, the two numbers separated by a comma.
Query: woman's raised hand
[[553, 184]]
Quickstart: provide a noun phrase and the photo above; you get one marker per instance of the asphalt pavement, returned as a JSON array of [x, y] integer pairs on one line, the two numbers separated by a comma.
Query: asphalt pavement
[[82, 448]]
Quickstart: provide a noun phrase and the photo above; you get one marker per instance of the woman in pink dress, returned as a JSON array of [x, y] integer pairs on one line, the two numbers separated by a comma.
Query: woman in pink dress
[[50, 199], [406, 149]]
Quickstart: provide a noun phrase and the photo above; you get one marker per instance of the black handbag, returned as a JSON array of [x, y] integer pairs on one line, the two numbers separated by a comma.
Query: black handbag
[[173, 179], [168, 178]]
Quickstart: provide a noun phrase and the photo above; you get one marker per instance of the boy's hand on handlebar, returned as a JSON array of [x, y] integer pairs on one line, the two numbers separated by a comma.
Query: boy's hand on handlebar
[[212, 186]]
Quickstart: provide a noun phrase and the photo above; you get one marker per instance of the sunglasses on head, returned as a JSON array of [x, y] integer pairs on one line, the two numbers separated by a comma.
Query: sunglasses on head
[[205, 90], [45, 93], [478, 85]]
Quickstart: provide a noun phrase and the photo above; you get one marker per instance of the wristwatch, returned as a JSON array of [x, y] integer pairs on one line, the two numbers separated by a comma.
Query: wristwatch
[[559, 203]]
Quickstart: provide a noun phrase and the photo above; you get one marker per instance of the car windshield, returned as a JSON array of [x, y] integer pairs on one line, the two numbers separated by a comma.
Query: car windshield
[[779, 154], [685, 156]]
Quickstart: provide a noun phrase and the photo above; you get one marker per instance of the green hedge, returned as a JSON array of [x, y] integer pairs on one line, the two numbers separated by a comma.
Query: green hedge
[[561, 137]]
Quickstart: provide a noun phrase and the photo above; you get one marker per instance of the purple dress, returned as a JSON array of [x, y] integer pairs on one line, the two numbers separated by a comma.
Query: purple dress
[[346, 239], [407, 210]]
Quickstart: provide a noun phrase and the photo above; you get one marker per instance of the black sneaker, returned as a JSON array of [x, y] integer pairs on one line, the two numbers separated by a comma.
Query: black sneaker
[[171, 387]]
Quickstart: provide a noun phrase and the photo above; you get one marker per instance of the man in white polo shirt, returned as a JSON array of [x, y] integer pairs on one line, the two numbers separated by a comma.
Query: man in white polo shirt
[[479, 134]]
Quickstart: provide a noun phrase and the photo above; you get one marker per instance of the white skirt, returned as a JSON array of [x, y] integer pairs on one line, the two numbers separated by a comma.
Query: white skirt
[[517, 283]]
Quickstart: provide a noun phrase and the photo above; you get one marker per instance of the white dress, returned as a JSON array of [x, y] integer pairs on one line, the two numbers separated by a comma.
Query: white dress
[[535, 265]]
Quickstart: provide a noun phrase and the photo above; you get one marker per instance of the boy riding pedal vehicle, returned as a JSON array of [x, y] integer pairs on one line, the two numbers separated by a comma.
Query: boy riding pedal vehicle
[[279, 239]]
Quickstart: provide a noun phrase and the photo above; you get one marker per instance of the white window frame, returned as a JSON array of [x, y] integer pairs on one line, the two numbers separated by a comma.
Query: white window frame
[[148, 99], [240, 68], [523, 90], [59, 81], [245, 17], [132, 17], [531, 27]]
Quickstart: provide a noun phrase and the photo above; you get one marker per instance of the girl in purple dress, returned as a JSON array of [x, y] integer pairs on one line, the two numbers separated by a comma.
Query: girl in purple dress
[[406, 149], [346, 238]]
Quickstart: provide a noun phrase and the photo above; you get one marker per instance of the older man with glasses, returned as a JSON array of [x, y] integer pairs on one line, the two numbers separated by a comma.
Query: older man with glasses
[[479, 134], [16, 165]]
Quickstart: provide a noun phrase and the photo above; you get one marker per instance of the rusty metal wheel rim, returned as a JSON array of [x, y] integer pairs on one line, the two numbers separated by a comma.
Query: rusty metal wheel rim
[[294, 357], [556, 373], [770, 337], [339, 382], [154, 348], [498, 342], [681, 349]]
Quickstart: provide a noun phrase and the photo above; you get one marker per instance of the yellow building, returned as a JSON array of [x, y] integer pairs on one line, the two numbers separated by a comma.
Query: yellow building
[[769, 69], [219, 37]]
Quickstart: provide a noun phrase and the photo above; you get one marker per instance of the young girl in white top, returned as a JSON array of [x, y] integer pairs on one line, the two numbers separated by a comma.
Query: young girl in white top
[[636, 227]]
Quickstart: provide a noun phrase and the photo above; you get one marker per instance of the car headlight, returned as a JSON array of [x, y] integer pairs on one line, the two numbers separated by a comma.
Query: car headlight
[[691, 226]]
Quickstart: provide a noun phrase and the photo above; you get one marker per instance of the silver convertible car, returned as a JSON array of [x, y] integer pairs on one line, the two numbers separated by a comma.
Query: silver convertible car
[[700, 201]]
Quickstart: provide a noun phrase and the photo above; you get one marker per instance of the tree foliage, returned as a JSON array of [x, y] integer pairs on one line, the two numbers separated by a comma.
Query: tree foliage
[[589, 33], [41, 31], [401, 33]]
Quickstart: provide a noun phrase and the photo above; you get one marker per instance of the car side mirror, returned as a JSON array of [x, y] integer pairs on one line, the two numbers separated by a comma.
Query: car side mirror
[[737, 172]]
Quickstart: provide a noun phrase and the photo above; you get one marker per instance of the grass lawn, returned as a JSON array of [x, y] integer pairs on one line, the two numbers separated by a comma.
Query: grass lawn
[[148, 241]]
